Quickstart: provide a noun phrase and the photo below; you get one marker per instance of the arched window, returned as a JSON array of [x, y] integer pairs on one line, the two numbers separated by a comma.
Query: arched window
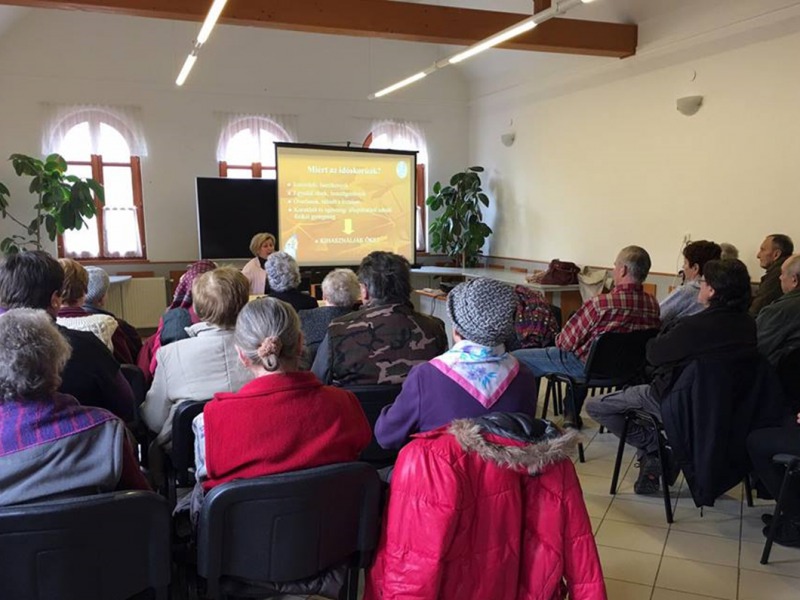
[[98, 143], [401, 135], [246, 147]]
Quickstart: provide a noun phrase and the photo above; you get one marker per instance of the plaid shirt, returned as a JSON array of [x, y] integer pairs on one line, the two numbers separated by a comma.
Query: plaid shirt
[[627, 308]]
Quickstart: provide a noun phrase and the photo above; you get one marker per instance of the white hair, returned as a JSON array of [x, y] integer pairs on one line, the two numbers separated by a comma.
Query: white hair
[[32, 354], [269, 318], [282, 272], [341, 288]]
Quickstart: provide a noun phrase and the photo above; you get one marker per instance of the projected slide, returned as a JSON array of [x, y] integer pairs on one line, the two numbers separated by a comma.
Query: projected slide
[[338, 205]]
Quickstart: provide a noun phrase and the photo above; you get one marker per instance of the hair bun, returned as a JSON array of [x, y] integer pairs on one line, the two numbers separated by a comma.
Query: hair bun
[[271, 346]]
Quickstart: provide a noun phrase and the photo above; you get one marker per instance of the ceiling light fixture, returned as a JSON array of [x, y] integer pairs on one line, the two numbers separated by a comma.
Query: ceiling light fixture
[[211, 19], [558, 7]]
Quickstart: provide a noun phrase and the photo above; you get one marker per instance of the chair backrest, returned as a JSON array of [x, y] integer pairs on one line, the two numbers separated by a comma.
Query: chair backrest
[[135, 378], [788, 370], [182, 453], [373, 399], [618, 357], [287, 527], [104, 547]]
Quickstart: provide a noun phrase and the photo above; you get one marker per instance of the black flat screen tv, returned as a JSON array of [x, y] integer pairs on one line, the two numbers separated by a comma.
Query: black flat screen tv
[[231, 211]]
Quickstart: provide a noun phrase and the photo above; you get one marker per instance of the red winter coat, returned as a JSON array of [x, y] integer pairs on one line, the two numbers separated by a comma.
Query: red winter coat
[[476, 516]]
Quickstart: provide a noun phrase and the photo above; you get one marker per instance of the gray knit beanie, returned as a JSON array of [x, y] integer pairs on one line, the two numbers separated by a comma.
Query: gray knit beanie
[[482, 311], [98, 285]]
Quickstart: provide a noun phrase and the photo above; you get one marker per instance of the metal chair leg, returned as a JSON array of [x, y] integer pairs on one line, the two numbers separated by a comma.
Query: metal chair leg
[[550, 389], [558, 405], [776, 516], [662, 457], [620, 452], [748, 491]]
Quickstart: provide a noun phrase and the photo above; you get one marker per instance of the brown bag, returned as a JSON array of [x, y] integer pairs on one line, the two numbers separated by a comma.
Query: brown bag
[[560, 273]]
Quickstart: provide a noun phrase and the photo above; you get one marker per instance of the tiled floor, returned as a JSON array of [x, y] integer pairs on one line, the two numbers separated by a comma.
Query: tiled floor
[[715, 555]]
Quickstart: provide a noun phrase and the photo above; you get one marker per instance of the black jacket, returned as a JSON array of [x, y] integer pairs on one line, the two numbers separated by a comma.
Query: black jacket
[[713, 331], [714, 404]]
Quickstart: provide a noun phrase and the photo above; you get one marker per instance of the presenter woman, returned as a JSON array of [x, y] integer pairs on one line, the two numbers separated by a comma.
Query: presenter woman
[[262, 245]]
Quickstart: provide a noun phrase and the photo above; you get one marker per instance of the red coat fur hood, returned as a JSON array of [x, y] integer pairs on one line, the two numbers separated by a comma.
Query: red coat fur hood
[[475, 513]]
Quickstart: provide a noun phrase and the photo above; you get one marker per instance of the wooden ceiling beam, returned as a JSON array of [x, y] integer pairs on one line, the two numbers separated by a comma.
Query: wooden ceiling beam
[[381, 19]]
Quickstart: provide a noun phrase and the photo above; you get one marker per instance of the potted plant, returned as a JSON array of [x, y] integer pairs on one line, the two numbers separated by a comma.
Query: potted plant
[[459, 231], [63, 201]]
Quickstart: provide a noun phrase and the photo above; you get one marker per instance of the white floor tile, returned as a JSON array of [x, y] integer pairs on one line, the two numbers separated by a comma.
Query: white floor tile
[[754, 585], [782, 560], [625, 590], [699, 578], [687, 518], [662, 594], [628, 536], [706, 548], [597, 504], [641, 513], [627, 565]]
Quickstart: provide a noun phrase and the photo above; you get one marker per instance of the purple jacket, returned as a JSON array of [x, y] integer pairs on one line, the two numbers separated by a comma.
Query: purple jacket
[[430, 399]]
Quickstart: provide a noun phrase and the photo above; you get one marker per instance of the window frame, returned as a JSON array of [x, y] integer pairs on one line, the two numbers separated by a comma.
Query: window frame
[[96, 163], [256, 168]]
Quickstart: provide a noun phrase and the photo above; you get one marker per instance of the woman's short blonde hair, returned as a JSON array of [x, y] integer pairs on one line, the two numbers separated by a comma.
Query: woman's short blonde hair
[[259, 240], [76, 281], [219, 296], [32, 354]]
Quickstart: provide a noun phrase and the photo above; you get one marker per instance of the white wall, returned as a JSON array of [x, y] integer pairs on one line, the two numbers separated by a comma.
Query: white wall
[[616, 164], [73, 57]]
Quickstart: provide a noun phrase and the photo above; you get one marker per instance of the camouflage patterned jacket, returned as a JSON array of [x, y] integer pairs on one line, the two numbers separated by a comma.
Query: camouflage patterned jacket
[[378, 344]]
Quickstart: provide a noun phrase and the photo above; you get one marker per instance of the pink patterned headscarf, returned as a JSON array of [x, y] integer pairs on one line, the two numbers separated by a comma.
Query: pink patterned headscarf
[[183, 293]]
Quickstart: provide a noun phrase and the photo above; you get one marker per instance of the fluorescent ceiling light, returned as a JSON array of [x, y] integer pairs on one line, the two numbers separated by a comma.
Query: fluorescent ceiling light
[[400, 84], [494, 40], [187, 67], [211, 20]]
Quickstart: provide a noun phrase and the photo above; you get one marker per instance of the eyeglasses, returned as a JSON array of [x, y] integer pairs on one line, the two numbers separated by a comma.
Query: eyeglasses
[[702, 280]]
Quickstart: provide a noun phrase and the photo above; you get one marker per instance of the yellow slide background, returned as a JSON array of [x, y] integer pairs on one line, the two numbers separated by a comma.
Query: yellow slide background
[[335, 207]]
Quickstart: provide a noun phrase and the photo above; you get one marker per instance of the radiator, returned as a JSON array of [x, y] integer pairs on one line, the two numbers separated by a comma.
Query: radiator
[[140, 301]]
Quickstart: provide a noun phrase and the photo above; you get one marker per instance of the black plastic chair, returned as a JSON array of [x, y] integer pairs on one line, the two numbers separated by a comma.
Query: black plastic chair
[[792, 464], [180, 463], [615, 360], [373, 399], [105, 547], [288, 527]]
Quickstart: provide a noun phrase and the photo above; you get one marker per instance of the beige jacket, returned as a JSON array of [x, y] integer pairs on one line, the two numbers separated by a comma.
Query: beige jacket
[[192, 369]]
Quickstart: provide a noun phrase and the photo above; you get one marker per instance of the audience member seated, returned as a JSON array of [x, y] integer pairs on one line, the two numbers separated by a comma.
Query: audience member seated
[[178, 316], [728, 251], [262, 245], [342, 295], [206, 362], [535, 324], [487, 508], [50, 446], [779, 323], [474, 377], [762, 445], [774, 250], [627, 308], [74, 316], [723, 326], [283, 276], [35, 280], [95, 301], [380, 343], [682, 301], [282, 420]]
